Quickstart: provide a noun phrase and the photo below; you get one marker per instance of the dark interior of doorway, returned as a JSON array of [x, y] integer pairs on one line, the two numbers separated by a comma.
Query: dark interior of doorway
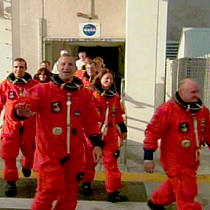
[[110, 56]]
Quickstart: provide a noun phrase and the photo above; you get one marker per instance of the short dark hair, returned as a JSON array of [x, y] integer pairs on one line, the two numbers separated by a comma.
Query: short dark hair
[[48, 62], [46, 72], [43, 69], [20, 60]]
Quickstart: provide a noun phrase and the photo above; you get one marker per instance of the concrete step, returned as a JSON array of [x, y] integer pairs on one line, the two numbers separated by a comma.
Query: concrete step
[[135, 191], [138, 187], [25, 204]]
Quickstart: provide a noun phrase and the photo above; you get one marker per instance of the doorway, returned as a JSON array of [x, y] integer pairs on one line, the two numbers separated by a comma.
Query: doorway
[[113, 53], [110, 56]]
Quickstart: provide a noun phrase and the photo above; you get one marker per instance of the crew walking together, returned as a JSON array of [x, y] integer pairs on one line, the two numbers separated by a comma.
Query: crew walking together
[[64, 123]]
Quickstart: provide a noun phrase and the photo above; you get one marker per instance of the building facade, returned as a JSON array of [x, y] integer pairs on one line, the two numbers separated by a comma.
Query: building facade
[[129, 34]]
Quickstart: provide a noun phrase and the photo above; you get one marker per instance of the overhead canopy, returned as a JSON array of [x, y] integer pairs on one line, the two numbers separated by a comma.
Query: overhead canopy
[[194, 43]]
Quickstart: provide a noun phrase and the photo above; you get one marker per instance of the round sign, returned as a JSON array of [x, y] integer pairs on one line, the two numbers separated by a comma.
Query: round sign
[[89, 29]]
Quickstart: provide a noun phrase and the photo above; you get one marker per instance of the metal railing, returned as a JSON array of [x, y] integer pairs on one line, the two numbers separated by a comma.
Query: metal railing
[[123, 149]]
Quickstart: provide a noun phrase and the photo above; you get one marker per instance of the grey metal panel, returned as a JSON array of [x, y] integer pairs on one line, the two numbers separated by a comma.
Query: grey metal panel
[[195, 68], [197, 42]]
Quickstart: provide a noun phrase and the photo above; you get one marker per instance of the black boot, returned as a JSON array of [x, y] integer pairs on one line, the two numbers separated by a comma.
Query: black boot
[[86, 190], [26, 172], [10, 189], [155, 206], [116, 197]]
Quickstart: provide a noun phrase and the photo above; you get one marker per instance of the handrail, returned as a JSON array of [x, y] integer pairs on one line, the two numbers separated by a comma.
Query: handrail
[[124, 147]]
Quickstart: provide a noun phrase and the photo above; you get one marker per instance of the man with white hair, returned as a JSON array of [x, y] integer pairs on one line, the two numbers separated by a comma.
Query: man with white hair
[[81, 61], [55, 67]]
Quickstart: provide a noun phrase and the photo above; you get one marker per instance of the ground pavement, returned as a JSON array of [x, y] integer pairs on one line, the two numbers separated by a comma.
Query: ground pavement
[[138, 185]]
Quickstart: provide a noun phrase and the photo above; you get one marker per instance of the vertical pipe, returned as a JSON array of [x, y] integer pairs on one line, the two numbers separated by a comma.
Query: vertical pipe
[[92, 12], [41, 34]]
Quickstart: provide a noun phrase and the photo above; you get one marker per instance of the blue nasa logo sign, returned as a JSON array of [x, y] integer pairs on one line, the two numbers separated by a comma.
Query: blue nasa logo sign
[[89, 29]]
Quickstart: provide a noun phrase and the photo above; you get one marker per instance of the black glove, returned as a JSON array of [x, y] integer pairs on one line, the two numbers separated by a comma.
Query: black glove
[[80, 176]]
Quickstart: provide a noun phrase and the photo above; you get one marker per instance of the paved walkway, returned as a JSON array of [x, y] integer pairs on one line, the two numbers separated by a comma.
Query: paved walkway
[[138, 184]]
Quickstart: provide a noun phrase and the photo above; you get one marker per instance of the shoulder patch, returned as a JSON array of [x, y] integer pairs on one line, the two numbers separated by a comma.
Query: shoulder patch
[[183, 127], [11, 95], [55, 107]]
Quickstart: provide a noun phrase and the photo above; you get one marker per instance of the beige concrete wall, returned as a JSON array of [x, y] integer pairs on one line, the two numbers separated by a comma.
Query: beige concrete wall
[[161, 37], [5, 41], [26, 15], [145, 58], [6, 48], [62, 20]]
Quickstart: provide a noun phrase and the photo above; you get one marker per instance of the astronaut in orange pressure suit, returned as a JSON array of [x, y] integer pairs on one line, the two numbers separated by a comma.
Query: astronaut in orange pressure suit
[[183, 126], [89, 74], [15, 135], [107, 103], [64, 110], [89, 163]]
